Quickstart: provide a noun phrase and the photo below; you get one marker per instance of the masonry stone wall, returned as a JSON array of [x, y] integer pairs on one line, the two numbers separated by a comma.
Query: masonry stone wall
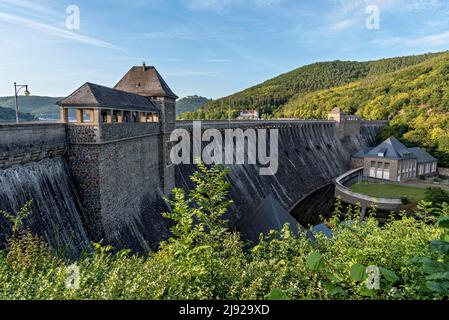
[[83, 161], [357, 163], [444, 172], [105, 132], [82, 133], [118, 131], [24, 143], [311, 155], [118, 174], [168, 124], [115, 168], [131, 193], [348, 127]]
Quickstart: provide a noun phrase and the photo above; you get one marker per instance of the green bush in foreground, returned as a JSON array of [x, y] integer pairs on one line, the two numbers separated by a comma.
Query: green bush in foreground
[[204, 260]]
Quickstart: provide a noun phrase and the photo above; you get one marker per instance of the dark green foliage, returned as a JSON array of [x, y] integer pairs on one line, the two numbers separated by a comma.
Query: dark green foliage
[[436, 265], [205, 260], [412, 92], [415, 100], [272, 94], [437, 196]]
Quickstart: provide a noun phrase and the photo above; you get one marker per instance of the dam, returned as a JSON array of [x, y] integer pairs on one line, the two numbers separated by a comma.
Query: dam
[[105, 176], [311, 155]]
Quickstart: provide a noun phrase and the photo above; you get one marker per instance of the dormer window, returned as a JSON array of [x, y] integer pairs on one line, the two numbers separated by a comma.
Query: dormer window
[[382, 153]]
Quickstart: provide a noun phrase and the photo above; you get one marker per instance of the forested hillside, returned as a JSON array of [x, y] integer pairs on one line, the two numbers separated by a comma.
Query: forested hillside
[[412, 92], [415, 99], [40, 107], [9, 115], [276, 92], [190, 104]]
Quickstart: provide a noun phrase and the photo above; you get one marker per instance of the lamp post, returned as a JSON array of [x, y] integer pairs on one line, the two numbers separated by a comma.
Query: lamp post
[[17, 88]]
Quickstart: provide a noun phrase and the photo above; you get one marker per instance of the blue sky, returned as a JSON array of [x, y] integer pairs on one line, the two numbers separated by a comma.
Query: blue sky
[[206, 47]]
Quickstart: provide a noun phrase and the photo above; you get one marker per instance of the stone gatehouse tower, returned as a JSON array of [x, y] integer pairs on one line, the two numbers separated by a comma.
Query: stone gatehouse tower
[[118, 156], [146, 81]]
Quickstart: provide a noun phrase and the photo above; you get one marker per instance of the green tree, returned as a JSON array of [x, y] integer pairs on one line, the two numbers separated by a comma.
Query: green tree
[[437, 196]]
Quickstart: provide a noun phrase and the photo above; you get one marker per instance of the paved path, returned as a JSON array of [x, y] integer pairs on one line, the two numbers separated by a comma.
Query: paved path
[[425, 185]]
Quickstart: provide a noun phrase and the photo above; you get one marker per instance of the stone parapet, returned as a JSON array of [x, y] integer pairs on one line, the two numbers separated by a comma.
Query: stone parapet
[[104, 133], [24, 143]]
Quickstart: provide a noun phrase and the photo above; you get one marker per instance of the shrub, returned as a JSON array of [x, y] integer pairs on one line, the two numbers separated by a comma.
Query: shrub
[[437, 196], [205, 260]]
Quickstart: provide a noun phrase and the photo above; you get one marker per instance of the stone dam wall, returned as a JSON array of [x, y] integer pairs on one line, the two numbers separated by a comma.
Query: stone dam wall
[[115, 168], [87, 183], [310, 156], [34, 168], [20, 144], [67, 171]]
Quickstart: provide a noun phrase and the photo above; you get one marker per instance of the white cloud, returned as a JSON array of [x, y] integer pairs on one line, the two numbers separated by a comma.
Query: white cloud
[[221, 5], [433, 40], [183, 32], [209, 4], [267, 3], [391, 5], [218, 60], [29, 5], [343, 25], [55, 31]]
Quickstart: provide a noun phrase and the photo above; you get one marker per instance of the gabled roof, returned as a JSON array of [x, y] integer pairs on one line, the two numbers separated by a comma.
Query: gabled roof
[[391, 148], [422, 155], [94, 95], [145, 81], [362, 153]]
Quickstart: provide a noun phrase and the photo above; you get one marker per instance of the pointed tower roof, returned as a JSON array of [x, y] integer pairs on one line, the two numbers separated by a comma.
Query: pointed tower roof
[[145, 81], [96, 96], [391, 148]]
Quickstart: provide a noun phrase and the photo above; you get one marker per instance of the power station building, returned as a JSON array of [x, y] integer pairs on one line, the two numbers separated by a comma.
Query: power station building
[[393, 161]]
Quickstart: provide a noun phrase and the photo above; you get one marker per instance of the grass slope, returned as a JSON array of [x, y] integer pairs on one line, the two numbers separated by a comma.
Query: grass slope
[[390, 191]]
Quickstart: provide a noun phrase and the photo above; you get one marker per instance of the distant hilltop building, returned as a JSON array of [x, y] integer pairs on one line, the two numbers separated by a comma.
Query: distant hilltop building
[[249, 115], [393, 161]]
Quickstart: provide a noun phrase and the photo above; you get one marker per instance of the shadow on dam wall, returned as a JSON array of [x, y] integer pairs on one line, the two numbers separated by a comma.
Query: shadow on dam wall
[[55, 213], [310, 157], [318, 204]]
